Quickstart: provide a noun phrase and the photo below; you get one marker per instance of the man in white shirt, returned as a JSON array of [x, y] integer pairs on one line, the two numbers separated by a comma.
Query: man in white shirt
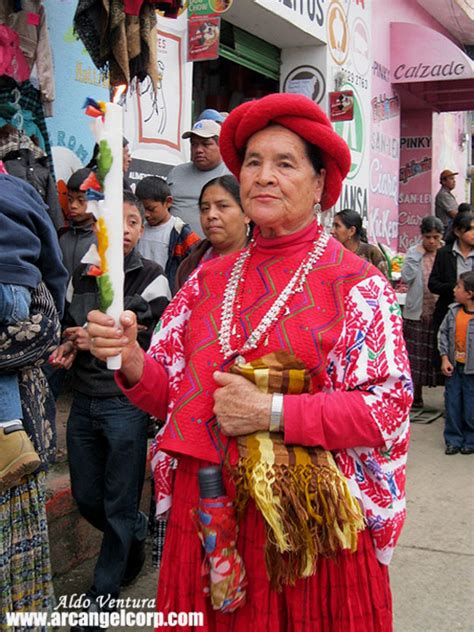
[[187, 180]]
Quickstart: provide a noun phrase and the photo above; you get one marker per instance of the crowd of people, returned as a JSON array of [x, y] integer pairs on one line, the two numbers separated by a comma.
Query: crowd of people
[[258, 343]]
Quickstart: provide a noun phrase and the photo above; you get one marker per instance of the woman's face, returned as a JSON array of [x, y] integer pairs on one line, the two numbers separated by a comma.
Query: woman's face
[[466, 239], [278, 184], [431, 241], [222, 219], [340, 231]]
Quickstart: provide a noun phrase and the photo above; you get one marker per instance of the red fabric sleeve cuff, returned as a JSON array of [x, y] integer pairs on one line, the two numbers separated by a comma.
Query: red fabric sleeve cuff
[[151, 392], [332, 420]]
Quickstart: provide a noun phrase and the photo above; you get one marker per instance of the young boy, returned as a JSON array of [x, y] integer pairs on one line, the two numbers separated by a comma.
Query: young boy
[[106, 435], [29, 253], [166, 239], [76, 239], [456, 348]]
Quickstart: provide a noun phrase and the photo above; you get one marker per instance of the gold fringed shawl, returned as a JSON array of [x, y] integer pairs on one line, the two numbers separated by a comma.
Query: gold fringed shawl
[[301, 494]]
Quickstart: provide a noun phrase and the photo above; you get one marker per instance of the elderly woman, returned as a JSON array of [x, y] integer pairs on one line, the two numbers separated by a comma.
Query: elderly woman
[[223, 222], [418, 329], [315, 454], [348, 230]]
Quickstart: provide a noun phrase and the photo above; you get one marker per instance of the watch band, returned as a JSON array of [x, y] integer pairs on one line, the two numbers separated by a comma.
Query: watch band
[[276, 416]]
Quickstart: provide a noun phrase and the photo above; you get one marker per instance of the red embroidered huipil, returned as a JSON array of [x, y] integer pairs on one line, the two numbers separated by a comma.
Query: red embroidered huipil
[[345, 326]]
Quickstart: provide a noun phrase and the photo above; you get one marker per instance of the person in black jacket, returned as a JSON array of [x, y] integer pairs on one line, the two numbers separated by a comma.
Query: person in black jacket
[[106, 435], [451, 261]]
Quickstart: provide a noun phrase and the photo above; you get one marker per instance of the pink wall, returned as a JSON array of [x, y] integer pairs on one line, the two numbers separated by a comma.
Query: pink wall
[[415, 199], [447, 152], [385, 159]]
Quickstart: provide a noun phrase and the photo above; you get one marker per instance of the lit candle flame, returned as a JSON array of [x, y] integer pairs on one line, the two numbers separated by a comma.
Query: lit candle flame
[[119, 90]]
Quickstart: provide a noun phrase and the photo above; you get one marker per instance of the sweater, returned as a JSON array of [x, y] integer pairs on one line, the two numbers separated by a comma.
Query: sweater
[[442, 281], [146, 292], [181, 240], [186, 182], [446, 339], [29, 248], [345, 326]]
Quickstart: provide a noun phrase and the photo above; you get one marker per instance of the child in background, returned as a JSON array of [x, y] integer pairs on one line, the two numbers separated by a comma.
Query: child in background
[[29, 253], [76, 239], [166, 238], [456, 348]]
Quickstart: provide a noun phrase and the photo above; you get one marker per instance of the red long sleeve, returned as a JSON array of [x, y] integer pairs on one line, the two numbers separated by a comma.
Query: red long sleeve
[[332, 420], [151, 392]]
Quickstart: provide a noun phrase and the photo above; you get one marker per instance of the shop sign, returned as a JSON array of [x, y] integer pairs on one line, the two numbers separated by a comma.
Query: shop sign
[[360, 46], [208, 7], [306, 80], [353, 132], [203, 38], [306, 14], [452, 70], [341, 105], [383, 182], [338, 32]]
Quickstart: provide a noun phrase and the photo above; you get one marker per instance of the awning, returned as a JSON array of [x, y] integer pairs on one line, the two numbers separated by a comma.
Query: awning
[[430, 71]]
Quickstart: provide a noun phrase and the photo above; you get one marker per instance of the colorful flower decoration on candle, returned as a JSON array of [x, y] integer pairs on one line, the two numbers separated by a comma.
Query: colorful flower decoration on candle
[[93, 185]]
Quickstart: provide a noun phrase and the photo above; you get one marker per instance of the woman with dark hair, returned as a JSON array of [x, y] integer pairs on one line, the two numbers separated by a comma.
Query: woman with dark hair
[[223, 221], [451, 261], [348, 230], [418, 329]]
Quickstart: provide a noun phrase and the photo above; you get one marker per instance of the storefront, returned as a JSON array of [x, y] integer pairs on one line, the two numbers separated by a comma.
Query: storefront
[[411, 101], [247, 68]]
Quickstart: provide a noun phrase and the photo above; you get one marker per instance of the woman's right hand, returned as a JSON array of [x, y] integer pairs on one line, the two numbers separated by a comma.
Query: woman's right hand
[[108, 340]]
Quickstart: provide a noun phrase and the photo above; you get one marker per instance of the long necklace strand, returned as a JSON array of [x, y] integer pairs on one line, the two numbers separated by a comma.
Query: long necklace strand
[[231, 305]]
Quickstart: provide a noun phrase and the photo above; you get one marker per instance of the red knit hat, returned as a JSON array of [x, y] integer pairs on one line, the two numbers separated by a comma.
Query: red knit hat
[[298, 114]]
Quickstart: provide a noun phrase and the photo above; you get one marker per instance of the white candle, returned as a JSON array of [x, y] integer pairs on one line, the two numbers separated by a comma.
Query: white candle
[[111, 210]]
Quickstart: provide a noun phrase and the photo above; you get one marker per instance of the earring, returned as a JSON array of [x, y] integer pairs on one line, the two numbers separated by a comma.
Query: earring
[[317, 211]]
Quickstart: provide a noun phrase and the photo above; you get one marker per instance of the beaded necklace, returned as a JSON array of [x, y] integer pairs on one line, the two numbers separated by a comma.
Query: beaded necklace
[[233, 293]]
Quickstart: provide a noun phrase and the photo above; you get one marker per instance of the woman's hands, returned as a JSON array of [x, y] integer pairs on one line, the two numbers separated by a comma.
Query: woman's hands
[[239, 406], [107, 340]]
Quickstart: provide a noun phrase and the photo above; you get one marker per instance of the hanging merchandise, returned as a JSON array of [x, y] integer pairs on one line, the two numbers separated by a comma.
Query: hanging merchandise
[[120, 37], [170, 8], [12, 61], [27, 18], [31, 109], [24, 159]]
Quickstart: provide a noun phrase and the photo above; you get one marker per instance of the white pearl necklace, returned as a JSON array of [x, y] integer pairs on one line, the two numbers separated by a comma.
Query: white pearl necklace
[[295, 284]]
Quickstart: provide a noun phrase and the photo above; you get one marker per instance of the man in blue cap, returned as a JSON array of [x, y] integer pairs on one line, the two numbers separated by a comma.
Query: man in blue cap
[[212, 115]]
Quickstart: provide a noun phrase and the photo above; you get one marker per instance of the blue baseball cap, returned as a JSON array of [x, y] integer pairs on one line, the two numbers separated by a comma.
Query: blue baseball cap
[[211, 115]]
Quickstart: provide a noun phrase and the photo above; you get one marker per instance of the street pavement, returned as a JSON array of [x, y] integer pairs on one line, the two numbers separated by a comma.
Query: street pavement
[[432, 573]]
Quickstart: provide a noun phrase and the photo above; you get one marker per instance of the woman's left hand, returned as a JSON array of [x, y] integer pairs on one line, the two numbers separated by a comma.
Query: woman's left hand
[[239, 406]]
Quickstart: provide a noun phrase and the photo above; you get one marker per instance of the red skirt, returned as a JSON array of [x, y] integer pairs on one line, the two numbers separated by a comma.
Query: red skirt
[[348, 593]]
